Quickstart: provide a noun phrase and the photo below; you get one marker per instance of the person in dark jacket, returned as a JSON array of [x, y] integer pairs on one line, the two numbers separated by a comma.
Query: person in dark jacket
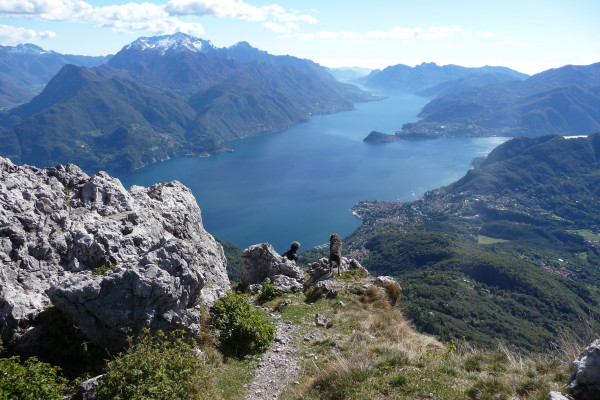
[[291, 253]]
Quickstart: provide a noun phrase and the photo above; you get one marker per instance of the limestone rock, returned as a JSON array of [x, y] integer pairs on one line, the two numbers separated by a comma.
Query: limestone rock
[[558, 396], [87, 390], [329, 288], [383, 281], [390, 286], [57, 225], [584, 382], [286, 284], [318, 271], [261, 261], [320, 320]]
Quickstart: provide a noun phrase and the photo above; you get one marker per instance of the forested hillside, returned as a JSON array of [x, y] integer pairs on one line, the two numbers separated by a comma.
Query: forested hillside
[[508, 253]]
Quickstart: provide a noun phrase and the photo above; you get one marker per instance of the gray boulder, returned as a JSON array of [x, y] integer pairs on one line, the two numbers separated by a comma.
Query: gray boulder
[[286, 284], [584, 382], [261, 261], [318, 271], [58, 226], [329, 288], [384, 280]]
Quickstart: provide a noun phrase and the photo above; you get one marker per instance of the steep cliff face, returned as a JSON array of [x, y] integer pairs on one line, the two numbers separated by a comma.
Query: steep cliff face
[[106, 257]]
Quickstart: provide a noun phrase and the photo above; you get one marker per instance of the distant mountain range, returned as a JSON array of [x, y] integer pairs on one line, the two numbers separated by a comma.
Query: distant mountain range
[[26, 68], [349, 74], [167, 96], [563, 101], [430, 79]]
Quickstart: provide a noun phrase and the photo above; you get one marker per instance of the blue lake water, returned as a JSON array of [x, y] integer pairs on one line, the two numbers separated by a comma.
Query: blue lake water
[[301, 184]]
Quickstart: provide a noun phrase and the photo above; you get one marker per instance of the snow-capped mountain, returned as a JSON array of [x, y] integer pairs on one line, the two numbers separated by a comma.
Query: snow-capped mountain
[[25, 48], [176, 42]]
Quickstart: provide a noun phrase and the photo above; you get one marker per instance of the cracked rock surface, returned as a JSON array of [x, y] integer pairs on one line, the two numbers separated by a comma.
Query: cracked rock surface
[[58, 226]]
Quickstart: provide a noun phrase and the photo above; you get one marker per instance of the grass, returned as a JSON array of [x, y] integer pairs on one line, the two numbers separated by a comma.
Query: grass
[[371, 351], [588, 235], [481, 239], [231, 376]]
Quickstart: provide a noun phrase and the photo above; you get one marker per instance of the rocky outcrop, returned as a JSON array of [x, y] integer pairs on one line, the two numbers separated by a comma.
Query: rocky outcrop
[[322, 282], [584, 382], [319, 271], [261, 261], [107, 257]]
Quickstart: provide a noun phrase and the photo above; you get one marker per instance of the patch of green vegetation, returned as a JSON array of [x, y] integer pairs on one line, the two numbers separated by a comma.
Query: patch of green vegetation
[[233, 253], [232, 375], [241, 329], [30, 379], [352, 274], [158, 366], [268, 292], [588, 235], [481, 239], [101, 270]]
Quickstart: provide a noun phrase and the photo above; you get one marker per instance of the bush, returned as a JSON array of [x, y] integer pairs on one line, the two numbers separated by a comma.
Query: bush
[[31, 379], [268, 292], [241, 329], [158, 367]]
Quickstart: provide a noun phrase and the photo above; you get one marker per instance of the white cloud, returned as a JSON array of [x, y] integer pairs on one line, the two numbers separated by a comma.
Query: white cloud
[[157, 18], [53, 10], [217, 8], [403, 33], [159, 26], [129, 12], [329, 35], [296, 17], [11, 35], [234, 9], [278, 28]]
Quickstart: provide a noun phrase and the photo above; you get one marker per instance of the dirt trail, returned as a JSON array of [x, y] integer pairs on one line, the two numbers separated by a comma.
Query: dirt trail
[[278, 366]]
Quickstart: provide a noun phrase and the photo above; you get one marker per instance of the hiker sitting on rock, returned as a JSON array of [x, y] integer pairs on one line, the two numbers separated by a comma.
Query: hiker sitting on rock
[[291, 253]]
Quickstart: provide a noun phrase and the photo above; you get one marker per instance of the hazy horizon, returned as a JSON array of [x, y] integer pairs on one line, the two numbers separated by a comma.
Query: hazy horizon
[[529, 37]]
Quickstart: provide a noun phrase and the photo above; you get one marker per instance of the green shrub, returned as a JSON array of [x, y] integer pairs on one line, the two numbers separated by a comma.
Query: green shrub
[[268, 292], [241, 329], [31, 379], [101, 270], [158, 367]]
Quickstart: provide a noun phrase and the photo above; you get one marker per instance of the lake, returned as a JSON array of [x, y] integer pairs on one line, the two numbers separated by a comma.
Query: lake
[[301, 184]]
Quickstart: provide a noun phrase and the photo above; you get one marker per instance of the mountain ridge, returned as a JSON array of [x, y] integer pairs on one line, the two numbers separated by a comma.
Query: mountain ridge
[[213, 98], [29, 68], [563, 101], [423, 77]]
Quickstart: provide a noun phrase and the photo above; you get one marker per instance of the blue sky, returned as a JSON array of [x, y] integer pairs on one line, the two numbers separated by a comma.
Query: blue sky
[[529, 36]]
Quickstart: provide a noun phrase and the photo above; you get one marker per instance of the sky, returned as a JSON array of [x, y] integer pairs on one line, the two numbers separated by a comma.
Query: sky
[[527, 35]]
